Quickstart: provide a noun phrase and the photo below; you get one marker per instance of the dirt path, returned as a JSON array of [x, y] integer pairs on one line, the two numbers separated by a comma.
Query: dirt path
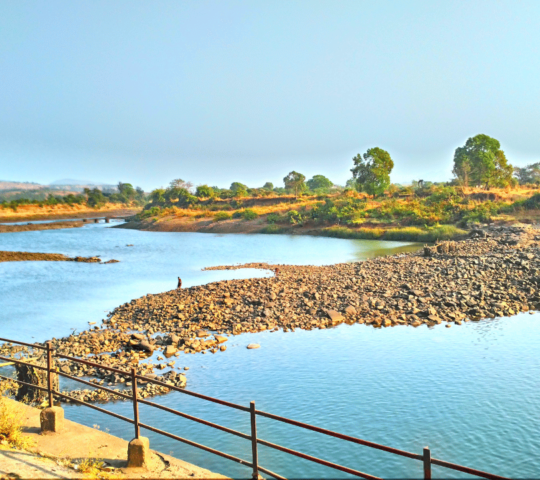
[[51, 455]]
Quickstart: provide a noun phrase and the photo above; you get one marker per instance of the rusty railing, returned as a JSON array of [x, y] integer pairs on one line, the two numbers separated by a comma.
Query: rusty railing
[[424, 457]]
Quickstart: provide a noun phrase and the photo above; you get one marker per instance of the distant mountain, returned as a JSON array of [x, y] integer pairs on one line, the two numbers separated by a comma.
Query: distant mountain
[[7, 185]]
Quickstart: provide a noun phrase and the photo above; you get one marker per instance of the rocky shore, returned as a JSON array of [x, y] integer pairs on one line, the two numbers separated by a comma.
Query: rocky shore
[[6, 256], [494, 273]]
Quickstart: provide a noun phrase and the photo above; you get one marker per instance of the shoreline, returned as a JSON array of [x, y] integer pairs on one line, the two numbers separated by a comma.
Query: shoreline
[[74, 213], [493, 274], [11, 256], [172, 223]]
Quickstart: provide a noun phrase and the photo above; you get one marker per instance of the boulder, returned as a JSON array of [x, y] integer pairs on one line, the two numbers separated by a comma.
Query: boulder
[[350, 310], [170, 351], [335, 316], [252, 346], [220, 338]]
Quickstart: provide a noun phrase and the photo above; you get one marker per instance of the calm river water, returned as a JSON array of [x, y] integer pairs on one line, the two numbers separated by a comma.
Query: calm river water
[[469, 392]]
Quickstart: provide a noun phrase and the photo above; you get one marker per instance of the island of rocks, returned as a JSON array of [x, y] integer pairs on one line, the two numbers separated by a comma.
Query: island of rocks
[[6, 256], [493, 273]]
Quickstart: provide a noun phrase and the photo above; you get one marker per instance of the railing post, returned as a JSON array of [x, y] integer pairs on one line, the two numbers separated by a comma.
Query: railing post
[[427, 464], [135, 402], [49, 373], [255, 457]]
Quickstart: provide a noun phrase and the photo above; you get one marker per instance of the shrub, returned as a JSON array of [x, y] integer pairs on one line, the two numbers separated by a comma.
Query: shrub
[[219, 216], [273, 228], [237, 214], [250, 214], [273, 218]]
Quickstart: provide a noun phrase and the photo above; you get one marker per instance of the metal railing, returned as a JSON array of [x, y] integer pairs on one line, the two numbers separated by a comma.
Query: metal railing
[[425, 457]]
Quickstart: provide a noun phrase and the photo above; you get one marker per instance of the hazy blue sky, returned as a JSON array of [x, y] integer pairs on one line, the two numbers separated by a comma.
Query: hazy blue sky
[[222, 91]]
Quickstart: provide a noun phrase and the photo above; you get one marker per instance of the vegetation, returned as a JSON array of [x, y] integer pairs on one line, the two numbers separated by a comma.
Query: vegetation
[[11, 418], [372, 171], [125, 194], [295, 182], [482, 162]]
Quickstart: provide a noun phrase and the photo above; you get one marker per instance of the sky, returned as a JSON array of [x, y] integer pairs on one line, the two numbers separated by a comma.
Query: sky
[[221, 91]]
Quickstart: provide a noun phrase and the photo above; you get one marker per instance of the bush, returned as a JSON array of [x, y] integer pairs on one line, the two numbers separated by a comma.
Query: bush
[[274, 218], [237, 214], [218, 217], [250, 214], [273, 229], [406, 234]]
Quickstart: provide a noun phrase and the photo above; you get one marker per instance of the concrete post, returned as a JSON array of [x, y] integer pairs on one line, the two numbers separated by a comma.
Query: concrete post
[[139, 453], [52, 420]]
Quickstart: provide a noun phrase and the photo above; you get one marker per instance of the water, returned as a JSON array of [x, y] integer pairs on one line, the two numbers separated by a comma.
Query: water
[[469, 392]]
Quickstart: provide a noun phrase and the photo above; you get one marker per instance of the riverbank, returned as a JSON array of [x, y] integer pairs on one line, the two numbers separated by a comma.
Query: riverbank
[[47, 257], [63, 211], [172, 223], [63, 455], [31, 227]]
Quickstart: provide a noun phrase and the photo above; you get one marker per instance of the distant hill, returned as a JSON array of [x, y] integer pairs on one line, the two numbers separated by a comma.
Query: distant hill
[[7, 185], [70, 181]]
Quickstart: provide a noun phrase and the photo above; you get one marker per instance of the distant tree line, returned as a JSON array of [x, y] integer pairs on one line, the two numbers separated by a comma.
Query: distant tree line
[[125, 194]]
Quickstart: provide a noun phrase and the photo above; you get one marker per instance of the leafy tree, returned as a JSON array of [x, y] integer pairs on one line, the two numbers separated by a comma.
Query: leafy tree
[[268, 186], [179, 183], [319, 182], [372, 171], [528, 174], [482, 162], [95, 197], [204, 191], [157, 195], [295, 181], [239, 189]]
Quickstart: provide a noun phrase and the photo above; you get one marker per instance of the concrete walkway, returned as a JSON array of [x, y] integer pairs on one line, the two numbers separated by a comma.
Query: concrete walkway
[[77, 443]]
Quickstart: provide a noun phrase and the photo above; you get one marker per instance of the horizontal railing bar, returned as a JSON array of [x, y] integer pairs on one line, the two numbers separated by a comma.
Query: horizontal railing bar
[[86, 404], [93, 364], [472, 471], [340, 435], [198, 395], [24, 383], [14, 360], [23, 343], [110, 390], [305, 456], [198, 445], [195, 419], [275, 475]]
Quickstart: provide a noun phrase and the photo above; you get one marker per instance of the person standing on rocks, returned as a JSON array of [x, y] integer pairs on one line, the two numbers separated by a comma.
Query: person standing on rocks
[[179, 283]]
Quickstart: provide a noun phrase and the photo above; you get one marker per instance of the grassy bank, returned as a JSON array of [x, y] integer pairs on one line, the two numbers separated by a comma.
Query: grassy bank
[[406, 234]]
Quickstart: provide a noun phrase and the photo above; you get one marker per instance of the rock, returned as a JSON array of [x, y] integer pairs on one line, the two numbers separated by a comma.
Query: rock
[[146, 346], [220, 338], [335, 316], [252, 346], [350, 310], [170, 350]]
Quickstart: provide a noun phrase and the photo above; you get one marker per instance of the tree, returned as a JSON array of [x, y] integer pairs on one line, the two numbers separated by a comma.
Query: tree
[[179, 183], [319, 182], [528, 174], [268, 186], [157, 195], [295, 181], [372, 171], [204, 191], [482, 162], [239, 189]]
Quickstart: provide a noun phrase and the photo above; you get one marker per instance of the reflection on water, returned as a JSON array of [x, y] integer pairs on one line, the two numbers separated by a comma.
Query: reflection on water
[[469, 392]]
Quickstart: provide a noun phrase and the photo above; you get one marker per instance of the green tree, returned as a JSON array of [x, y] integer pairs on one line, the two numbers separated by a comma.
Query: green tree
[[482, 162], [204, 191], [157, 195], [372, 171], [268, 186], [528, 174], [239, 189], [319, 182], [295, 181]]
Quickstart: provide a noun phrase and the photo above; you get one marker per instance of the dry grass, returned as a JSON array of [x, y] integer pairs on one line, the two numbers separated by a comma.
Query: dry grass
[[11, 419], [34, 210]]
